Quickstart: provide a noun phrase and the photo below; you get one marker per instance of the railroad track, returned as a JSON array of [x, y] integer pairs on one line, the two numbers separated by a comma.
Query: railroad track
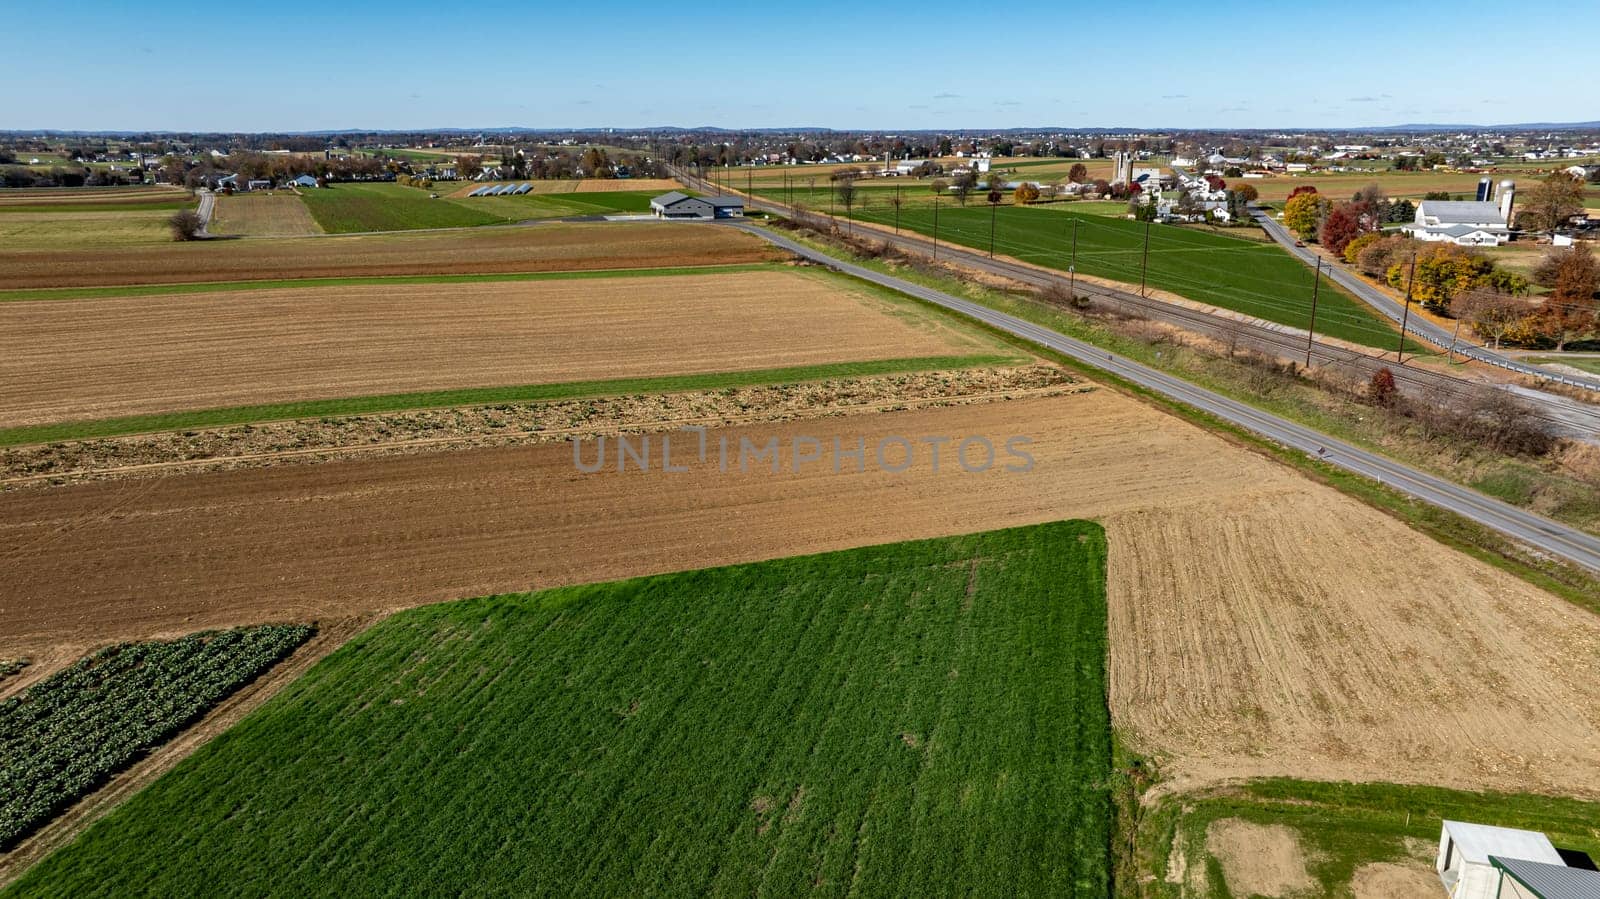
[[1567, 417]]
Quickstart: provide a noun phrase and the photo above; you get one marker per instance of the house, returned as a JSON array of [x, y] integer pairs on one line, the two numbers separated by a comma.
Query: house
[[679, 205], [1467, 223], [304, 181], [1467, 853], [258, 184]]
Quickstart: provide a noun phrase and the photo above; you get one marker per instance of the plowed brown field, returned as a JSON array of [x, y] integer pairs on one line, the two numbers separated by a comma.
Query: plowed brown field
[[538, 248], [1260, 623], [107, 357], [264, 214]]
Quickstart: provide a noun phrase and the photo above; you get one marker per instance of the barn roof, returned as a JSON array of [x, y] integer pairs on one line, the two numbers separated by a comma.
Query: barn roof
[[670, 197], [1462, 211], [1476, 842], [1549, 881]]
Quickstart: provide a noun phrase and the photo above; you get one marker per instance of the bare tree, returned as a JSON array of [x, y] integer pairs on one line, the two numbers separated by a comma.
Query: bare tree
[[185, 225], [1493, 315]]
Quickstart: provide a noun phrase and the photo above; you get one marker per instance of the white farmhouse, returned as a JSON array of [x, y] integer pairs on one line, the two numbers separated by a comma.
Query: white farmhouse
[[1468, 223]]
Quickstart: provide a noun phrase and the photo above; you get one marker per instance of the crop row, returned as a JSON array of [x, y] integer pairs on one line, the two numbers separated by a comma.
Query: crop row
[[66, 735]]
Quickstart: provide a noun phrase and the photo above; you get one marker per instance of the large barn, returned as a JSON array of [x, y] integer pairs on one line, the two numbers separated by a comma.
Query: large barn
[[679, 205], [1468, 223]]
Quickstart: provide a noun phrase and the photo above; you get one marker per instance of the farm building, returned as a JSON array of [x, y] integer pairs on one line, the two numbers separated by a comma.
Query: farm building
[[304, 181], [1465, 222], [1472, 859], [1539, 880], [679, 205]]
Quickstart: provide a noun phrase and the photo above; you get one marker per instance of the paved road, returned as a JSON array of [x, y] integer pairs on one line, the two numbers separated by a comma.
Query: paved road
[[208, 207], [1415, 324], [1540, 533], [1566, 417]]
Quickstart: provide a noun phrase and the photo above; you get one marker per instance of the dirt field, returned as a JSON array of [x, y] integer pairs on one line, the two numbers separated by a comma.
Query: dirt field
[[108, 357], [75, 196], [537, 248], [264, 214], [1260, 624], [1394, 880], [1257, 859]]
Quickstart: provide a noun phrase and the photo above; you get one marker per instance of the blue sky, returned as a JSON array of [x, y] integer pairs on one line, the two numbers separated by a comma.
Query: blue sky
[[406, 64]]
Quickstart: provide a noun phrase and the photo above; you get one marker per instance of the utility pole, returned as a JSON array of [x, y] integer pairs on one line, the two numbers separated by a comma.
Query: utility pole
[[1316, 282], [1072, 269], [897, 209], [994, 210], [1405, 316], [1451, 356], [1144, 269], [936, 228]]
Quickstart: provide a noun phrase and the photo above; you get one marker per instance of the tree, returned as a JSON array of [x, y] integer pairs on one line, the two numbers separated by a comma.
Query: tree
[[1102, 187], [1343, 225], [1247, 192], [1436, 195], [1381, 390], [1550, 202], [963, 187], [1571, 274], [1492, 315], [185, 225], [1078, 174], [1301, 213], [1352, 250], [940, 185], [1400, 211], [1303, 189], [1025, 193], [1564, 323]]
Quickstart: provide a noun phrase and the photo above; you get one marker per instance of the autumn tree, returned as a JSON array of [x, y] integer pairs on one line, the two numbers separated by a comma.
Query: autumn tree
[[1302, 213], [1342, 225], [1492, 315], [1025, 193], [1571, 311], [1381, 390], [1078, 174], [1550, 202], [1247, 192], [1352, 250]]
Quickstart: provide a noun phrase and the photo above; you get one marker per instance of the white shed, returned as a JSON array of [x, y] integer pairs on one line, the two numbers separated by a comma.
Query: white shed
[[1464, 849]]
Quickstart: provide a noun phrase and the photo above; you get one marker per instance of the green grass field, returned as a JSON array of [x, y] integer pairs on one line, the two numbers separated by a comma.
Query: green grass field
[[1589, 364], [1343, 826], [1246, 276], [912, 719], [348, 208]]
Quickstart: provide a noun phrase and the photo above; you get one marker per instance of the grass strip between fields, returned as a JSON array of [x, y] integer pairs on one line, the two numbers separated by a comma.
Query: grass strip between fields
[[144, 290], [483, 396], [1341, 827]]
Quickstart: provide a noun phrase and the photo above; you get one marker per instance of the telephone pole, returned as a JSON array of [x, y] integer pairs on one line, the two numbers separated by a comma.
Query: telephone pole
[[1144, 268], [994, 209], [1405, 316], [935, 229], [1072, 268], [1316, 282]]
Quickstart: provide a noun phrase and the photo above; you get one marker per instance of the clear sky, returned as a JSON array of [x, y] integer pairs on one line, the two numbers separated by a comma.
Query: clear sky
[[904, 65]]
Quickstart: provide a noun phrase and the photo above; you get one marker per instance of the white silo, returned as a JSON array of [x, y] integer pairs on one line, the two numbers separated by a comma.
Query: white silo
[[1508, 190]]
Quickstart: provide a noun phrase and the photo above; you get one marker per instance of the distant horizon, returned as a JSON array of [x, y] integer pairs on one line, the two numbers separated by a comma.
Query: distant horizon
[[1404, 127]]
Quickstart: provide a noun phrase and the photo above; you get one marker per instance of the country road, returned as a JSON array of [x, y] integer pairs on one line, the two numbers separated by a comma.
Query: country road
[[1415, 324], [208, 207], [1565, 416], [1533, 530]]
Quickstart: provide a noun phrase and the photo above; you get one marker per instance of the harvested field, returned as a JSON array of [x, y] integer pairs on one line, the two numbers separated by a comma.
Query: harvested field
[[599, 185], [1395, 880], [77, 233], [553, 247], [104, 358], [1256, 618], [264, 214], [79, 196], [316, 440]]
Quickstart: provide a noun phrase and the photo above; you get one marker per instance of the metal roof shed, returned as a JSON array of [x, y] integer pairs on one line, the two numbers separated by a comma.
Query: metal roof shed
[[1545, 881], [1464, 850]]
